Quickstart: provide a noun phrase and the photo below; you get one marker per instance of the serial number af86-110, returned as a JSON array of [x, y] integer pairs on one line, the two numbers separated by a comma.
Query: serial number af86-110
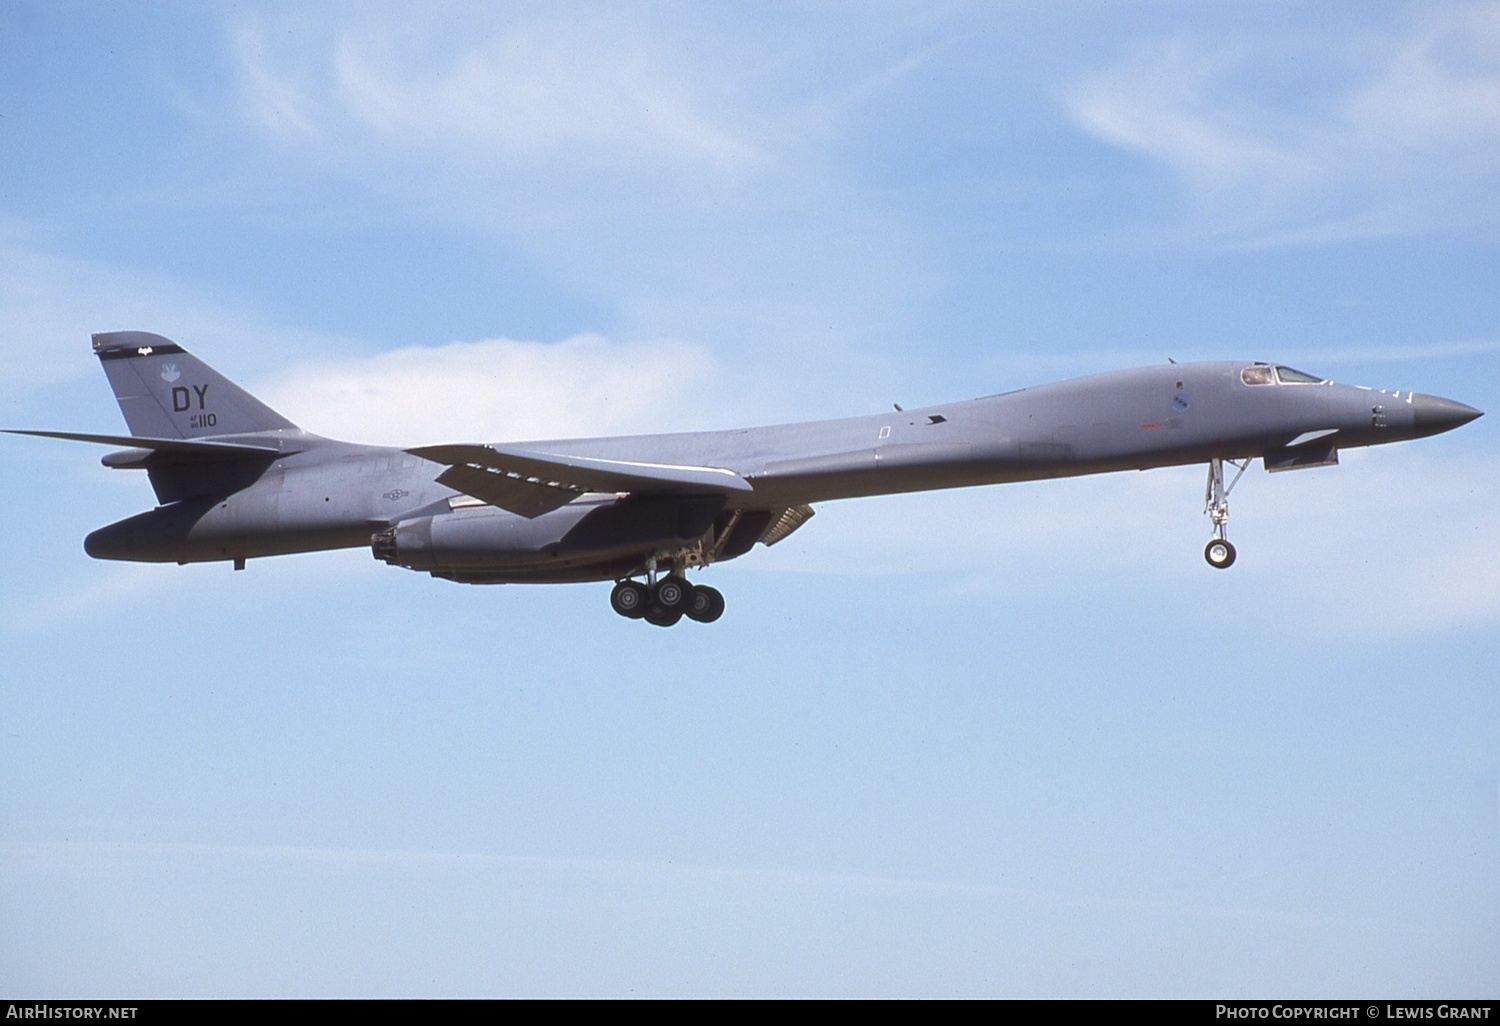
[[237, 481]]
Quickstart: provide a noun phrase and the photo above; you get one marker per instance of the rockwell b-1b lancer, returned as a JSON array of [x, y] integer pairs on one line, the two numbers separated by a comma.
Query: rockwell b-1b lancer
[[236, 480]]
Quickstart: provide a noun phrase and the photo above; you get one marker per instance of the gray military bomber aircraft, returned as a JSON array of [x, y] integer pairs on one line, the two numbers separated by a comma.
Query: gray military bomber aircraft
[[236, 480]]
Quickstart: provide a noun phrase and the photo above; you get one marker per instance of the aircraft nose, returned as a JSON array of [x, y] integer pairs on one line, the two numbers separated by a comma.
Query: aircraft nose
[[1433, 414]]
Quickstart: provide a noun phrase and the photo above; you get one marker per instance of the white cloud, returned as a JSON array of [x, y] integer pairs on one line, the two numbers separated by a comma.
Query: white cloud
[[1408, 140], [501, 389], [486, 390]]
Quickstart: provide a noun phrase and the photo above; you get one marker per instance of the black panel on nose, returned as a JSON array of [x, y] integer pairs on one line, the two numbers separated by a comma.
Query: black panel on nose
[[1433, 415]]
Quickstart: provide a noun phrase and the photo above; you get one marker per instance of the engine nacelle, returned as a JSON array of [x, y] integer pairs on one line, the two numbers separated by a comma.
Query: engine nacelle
[[484, 543]]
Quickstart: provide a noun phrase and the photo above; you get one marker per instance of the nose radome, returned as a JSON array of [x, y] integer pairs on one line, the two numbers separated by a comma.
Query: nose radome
[[1432, 414]]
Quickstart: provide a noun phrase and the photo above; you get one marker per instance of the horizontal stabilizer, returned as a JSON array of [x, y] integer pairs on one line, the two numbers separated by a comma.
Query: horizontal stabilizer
[[532, 483], [178, 446]]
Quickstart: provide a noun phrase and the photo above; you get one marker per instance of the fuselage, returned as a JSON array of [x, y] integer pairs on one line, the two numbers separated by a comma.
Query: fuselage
[[324, 494]]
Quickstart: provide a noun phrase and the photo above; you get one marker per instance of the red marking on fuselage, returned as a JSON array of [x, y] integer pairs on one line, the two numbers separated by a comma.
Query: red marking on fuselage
[[1154, 424]]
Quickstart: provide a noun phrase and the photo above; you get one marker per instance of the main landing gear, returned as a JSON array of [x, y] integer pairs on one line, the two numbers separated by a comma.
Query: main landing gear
[[1219, 552], [667, 601]]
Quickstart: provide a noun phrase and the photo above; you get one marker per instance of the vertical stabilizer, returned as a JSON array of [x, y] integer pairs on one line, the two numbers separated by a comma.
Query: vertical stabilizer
[[166, 392]]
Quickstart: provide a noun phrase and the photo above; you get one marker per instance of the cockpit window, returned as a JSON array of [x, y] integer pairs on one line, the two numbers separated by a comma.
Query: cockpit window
[[1289, 376], [1260, 374]]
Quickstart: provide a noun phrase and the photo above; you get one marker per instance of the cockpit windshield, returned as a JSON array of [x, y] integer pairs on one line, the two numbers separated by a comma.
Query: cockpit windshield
[[1265, 374]]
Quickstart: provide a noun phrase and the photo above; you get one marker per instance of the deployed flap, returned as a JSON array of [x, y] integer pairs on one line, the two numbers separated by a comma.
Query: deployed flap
[[179, 446], [532, 483]]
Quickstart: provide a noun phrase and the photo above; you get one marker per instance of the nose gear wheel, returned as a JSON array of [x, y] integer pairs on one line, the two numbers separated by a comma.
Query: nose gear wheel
[[1219, 553]]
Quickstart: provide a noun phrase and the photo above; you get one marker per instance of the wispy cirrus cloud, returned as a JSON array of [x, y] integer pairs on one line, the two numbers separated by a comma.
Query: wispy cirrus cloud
[[560, 89], [685, 176], [1392, 134], [593, 88]]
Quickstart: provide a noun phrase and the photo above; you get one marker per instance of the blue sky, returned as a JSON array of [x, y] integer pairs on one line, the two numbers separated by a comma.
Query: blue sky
[[1015, 741]]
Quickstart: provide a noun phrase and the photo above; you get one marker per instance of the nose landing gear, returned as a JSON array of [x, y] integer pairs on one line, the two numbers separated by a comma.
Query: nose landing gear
[[1219, 552]]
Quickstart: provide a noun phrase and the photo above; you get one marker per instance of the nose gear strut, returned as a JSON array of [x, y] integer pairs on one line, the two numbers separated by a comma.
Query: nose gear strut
[[1219, 552]]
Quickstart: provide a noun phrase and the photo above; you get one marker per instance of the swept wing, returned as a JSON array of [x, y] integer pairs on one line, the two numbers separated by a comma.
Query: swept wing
[[531, 483]]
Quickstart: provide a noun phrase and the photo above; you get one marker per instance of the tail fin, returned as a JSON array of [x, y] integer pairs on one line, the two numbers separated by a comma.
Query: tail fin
[[165, 392]]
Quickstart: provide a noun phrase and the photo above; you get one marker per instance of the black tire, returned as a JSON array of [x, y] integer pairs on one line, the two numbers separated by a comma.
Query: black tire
[[705, 604], [672, 593], [660, 617], [630, 599], [1219, 553]]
